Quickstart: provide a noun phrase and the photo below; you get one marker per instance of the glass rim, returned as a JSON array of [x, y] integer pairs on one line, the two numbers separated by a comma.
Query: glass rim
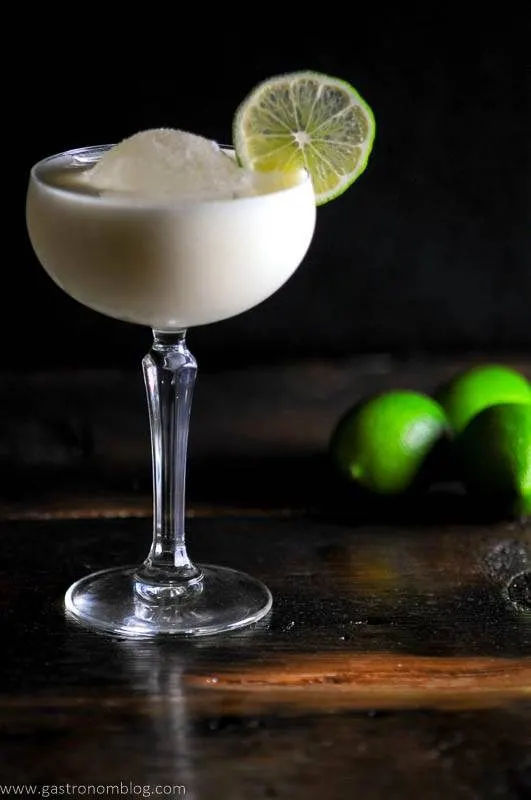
[[133, 202]]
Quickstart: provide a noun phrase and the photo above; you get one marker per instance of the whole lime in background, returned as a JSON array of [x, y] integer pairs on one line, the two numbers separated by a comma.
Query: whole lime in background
[[495, 456], [479, 387], [382, 443]]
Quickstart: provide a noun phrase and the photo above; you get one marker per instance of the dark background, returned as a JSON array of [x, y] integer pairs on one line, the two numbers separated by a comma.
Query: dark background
[[429, 252]]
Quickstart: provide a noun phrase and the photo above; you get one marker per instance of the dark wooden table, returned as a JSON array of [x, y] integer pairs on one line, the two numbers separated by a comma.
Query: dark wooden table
[[396, 662]]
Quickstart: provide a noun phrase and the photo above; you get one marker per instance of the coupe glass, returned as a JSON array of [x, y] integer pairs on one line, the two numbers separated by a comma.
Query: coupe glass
[[168, 265]]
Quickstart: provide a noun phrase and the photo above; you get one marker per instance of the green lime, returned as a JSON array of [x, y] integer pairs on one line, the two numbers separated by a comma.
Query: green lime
[[474, 389], [383, 442], [306, 120], [495, 454]]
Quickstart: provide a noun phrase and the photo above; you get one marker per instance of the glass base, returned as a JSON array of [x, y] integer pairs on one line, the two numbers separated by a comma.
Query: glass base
[[222, 599]]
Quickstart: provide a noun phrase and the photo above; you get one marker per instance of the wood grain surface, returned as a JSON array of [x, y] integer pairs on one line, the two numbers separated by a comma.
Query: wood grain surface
[[396, 660]]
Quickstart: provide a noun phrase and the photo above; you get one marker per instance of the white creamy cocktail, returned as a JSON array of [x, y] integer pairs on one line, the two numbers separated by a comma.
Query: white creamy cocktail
[[171, 255], [166, 230]]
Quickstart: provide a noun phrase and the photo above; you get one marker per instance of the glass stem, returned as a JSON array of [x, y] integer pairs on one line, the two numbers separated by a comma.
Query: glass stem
[[169, 374]]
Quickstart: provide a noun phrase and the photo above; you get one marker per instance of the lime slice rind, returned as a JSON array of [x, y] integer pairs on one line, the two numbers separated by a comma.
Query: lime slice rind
[[306, 119]]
